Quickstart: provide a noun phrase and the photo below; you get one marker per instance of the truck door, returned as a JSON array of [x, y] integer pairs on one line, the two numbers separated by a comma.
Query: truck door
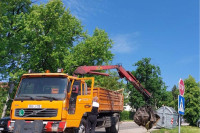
[[76, 89], [80, 100]]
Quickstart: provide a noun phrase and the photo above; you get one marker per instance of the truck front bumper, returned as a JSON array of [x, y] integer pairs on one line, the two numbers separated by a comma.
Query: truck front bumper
[[48, 126]]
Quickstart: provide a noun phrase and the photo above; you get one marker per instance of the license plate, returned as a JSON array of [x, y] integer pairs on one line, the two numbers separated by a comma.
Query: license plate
[[1, 129], [34, 106]]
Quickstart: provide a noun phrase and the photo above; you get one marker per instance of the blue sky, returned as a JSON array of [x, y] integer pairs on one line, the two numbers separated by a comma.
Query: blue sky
[[165, 30]]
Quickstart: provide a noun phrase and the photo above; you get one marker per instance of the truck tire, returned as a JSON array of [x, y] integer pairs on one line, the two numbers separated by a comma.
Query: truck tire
[[82, 127], [114, 127], [107, 129], [68, 130]]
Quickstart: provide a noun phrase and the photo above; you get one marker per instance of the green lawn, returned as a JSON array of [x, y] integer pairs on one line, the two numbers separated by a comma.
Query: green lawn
[[184, 129]]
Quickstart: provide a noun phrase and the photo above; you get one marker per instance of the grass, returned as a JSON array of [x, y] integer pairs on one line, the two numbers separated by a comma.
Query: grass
[[184, 129]]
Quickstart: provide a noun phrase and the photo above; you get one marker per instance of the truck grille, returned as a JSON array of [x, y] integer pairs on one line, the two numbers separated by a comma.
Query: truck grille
[[37, 112]]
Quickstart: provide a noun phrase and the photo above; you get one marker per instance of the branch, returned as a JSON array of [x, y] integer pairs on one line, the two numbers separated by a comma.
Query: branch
[[18, 10]]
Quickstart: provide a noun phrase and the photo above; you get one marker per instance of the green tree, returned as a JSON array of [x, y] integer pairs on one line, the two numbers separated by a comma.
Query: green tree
[[150, 77], [166, 98], [46, 36], [50, 32], [174, 101], [50, 38], [3, 94], [192, 100], [11, 14], [92, 51], [136, 99], [109, 82]]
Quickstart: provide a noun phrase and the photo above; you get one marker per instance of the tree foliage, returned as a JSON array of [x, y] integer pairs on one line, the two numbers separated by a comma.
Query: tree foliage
[[150, 77], [11, 14], [192, 98], [50, 32], [173, 101], [93, 50], [3, 94], [46, 36], [109, 82]]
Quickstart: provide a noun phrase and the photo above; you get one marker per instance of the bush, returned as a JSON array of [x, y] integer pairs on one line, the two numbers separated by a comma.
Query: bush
[[126, 115]]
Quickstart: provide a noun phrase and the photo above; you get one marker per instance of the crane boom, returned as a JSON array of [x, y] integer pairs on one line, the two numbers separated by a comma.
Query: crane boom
[[145, 116], [122, 73]]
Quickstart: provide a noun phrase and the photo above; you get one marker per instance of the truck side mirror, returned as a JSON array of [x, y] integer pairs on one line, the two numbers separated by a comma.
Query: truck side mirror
[[11, 86]]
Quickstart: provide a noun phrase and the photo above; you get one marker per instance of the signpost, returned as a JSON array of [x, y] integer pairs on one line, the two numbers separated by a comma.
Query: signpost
[[181, 102]]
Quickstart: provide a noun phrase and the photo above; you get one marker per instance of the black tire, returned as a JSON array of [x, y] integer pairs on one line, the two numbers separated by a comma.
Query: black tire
[[107, 129], [114, 127], [69, 130], [82, 127], [199, 124]]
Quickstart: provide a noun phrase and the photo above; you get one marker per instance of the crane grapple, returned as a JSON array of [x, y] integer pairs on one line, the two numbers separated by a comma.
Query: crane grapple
[[146, 116]]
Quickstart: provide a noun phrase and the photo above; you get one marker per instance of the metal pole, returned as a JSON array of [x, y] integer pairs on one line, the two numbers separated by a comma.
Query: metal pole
[[179, 123]]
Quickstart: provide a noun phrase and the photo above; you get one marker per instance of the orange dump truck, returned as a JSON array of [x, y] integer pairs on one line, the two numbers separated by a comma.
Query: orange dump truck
[[57, 102]]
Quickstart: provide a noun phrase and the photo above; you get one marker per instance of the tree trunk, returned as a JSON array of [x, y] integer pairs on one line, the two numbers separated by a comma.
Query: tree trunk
[[5, 107]]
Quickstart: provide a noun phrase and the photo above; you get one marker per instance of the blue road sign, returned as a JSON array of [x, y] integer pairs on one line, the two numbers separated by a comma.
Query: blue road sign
[[181, 105]]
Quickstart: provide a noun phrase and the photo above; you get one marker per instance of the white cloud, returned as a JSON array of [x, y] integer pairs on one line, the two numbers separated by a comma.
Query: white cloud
[[125, 43], [84, 8], [76, 7]]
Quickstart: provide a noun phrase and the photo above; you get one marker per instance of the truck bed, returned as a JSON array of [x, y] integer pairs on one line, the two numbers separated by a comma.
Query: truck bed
[[109, 101]]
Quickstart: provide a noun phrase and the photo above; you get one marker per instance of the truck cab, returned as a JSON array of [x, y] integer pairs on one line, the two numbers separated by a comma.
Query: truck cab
[[56, 100]]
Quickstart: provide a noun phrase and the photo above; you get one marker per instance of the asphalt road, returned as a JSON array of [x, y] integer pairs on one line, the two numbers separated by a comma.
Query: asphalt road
[[126, 127]]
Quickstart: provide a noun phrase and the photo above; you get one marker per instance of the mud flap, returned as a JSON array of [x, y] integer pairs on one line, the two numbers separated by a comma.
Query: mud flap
[[23, 127]]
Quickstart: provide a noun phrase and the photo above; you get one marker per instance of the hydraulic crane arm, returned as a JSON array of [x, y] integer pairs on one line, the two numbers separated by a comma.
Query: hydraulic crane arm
[[145, 116], [122, 73]]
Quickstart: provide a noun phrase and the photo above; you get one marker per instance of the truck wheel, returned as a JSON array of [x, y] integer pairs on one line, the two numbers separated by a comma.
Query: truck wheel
[[107, 129], [68, 130], [115, 127], [82, 127]]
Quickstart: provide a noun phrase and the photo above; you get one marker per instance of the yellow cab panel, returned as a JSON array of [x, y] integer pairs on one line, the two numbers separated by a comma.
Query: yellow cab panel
[[37, 110]]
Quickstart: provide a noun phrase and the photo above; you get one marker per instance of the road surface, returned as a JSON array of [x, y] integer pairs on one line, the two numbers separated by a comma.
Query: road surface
[[127, 127]]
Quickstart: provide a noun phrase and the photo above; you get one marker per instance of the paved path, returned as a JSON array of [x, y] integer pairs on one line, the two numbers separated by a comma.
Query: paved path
[[127, 127]]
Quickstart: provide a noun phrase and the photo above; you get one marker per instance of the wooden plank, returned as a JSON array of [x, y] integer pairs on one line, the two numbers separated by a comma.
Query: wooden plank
[[109, 101]]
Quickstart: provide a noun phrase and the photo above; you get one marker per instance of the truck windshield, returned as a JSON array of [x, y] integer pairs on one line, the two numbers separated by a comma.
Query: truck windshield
[[42, 88]]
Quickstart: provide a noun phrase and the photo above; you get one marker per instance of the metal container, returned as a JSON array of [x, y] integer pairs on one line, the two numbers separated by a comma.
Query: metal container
[[168, 117]]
